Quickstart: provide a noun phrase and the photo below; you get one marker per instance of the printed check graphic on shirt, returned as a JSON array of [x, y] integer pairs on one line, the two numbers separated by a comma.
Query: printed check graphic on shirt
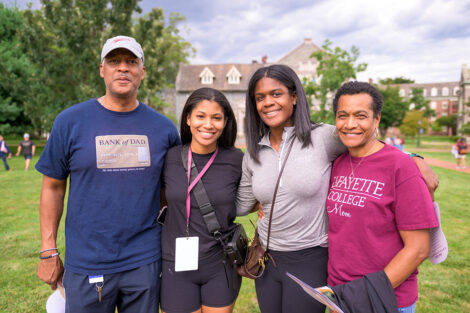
[[122, 151]]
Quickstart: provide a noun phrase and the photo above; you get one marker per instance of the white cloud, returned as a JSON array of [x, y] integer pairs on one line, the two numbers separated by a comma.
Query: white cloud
[[427, 40]]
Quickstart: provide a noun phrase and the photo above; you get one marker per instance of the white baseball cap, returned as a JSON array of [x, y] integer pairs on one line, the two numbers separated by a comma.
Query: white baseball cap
[[125, 42]]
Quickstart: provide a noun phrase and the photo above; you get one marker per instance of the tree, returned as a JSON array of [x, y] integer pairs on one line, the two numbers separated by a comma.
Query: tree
[[449, 121], [64, 40], [420, 102], [335, 67], [164, 50], [15, 68], [412, 122], [396, 80], [465, 129], [393, 110]]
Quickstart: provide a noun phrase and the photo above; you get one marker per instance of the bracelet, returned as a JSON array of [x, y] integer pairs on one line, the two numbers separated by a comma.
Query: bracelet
[[48, 250], [415, 155], [49, 256]]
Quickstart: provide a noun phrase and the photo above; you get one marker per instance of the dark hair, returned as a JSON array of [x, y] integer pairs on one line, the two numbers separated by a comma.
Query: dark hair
[[354, 88], [255, 128], [229, 134]]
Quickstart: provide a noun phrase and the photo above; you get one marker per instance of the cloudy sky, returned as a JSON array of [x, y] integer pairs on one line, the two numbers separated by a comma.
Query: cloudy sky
[[426, 40]]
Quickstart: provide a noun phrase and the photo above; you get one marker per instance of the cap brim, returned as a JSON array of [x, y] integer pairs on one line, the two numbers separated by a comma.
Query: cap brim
[[123, 45], [439, 247]]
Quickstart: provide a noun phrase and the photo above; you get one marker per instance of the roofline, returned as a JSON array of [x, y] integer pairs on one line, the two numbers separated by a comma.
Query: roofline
[[293, 50]]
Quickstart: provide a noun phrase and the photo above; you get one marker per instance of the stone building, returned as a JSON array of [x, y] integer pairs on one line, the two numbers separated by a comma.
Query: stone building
[[232, 79], [464, 98]]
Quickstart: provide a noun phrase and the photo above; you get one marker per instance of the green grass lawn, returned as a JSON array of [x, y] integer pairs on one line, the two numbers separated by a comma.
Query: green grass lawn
[[444, 156], [443, 288]]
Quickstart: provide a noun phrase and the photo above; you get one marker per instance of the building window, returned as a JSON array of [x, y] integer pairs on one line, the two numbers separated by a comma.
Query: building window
[[206, 76], [424, 92], [444, 113], [445, 91], [233, 76], [456, 91], [433, 91], [445, 105], [402, 92], [433, 105]]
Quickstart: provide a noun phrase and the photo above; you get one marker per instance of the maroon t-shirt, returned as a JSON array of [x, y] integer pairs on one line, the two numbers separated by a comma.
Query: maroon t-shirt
[[366, 212]]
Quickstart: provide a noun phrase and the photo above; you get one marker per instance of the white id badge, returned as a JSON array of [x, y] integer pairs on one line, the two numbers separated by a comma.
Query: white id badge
[[93, 279], [186, 254]]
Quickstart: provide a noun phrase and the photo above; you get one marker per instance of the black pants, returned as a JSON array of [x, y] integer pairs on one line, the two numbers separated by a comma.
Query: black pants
[[4, 159], [133, 291], [277, 293]]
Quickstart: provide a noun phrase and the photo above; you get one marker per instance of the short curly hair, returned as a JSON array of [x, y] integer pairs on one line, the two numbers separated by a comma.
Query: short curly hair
[[354, 88]]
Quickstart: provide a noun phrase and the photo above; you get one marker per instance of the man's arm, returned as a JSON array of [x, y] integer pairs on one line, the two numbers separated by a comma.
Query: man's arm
[[18, 150], [415, 251], [51, 206], [34, 149]]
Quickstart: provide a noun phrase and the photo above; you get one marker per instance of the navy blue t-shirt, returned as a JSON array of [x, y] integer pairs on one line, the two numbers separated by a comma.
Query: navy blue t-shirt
[[115, 162]]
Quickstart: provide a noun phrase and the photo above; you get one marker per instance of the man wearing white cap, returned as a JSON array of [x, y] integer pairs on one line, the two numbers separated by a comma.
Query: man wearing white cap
[[113, 148], [28, 148]]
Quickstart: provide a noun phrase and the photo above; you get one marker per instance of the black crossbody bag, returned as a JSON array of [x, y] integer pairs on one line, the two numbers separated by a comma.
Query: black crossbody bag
[[235, 242]]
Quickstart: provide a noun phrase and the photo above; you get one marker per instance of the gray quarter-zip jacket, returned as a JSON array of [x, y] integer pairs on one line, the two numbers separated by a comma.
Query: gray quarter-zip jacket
[[300, 220]]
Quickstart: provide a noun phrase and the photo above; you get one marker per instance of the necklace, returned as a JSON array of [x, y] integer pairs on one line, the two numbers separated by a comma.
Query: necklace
[[360, 161]]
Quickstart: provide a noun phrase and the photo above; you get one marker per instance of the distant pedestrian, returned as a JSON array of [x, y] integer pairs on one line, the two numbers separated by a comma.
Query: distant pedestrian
[[28, 148], [4, 152], [459, 150], [402, 143]]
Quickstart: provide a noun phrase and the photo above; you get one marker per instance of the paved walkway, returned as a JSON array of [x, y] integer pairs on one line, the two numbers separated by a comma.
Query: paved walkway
[[448, 165]]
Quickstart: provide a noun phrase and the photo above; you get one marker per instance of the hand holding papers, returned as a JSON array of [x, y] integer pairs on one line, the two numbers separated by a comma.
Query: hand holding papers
[[319, 294]]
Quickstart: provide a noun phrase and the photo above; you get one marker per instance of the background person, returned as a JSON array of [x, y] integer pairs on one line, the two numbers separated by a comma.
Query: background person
[[112, 148], [4, 153], [379, 209], [207, 124], [29, 148], [460, 152]]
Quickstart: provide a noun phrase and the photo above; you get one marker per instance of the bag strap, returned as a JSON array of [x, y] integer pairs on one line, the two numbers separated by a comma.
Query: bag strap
[[199, 192], [275, 192]]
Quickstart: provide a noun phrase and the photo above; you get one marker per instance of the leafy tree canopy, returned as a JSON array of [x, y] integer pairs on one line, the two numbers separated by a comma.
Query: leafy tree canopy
[[393, 110], [412, 122], [420, 102], [15, 68], [396, 80], [64, 40], [335, 67]]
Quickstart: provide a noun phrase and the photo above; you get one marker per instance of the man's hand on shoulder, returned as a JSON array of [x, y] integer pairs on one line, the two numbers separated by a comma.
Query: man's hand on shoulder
[[431, 178]]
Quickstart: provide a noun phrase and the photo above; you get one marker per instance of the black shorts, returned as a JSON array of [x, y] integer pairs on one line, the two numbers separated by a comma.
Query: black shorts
[[277, 293], [187, 291]]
